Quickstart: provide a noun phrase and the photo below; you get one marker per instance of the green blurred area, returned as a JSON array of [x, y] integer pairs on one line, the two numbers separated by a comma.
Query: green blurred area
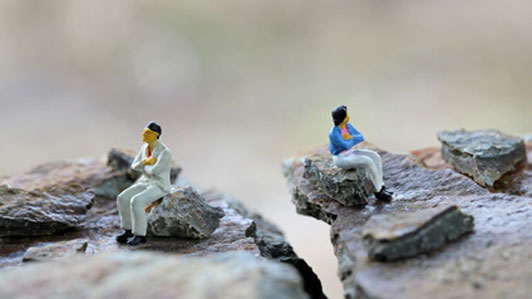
[[240, 85]]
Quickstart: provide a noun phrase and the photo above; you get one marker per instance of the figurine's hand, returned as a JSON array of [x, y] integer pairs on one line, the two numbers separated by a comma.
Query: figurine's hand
[[149, 161]]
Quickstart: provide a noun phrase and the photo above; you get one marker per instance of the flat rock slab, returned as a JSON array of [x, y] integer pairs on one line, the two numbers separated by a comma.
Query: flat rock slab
[[152, 275], [390, 237], [90, 173], [41, 211], [185, 214], [494, 261], [348, 187], [485, 155], [50, 251]]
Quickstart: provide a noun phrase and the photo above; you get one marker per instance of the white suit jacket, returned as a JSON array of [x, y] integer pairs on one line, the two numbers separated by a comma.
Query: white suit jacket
[[159, 173]]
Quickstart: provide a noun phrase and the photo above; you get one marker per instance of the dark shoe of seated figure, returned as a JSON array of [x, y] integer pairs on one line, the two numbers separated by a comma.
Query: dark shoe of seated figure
[[136, 240], [122, 239], [384, 194]]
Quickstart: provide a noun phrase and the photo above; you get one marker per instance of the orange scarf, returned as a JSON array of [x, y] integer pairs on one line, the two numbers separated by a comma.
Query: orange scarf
[[345, 132]]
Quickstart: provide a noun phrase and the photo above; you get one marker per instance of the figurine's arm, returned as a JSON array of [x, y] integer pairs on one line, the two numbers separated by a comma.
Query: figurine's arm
[[137, 162], [335, 137], [164, 158], [357, 136]]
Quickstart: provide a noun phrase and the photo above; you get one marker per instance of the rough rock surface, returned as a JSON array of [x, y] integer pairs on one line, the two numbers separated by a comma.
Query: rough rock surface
[[41, 211], [492, 262], [184, 213], [49, 251], [151, 275], [485, 155], [389, 237], [100, 224], [350, 188]]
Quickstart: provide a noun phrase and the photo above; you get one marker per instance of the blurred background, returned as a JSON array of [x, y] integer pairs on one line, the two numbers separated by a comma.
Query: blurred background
[[238, 86]]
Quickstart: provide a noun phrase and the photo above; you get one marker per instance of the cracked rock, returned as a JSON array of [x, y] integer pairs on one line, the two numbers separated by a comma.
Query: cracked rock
[[485, 155], [153, 275], [350, 188], [49, 251], [272, 245], [184, 213], [390, 237], [41, 211]]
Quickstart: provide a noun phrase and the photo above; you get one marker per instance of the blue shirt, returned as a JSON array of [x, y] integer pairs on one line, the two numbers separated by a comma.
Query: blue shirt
[[338, 144]]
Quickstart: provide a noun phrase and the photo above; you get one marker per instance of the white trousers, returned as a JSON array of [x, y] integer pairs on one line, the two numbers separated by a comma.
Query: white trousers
[[131, 203], [355, 158]]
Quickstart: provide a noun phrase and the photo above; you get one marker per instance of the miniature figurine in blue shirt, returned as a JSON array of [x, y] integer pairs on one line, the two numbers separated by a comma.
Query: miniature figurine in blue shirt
[[343, 137]]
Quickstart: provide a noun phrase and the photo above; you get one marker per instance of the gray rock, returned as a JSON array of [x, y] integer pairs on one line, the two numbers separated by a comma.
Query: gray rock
[[41, 212], [184, 213], [153, 275], [50, 251], [485, 155], [390, 237], [350, 188], [502, 224]]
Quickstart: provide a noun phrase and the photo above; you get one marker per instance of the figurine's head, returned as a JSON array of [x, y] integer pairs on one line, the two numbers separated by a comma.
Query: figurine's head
[[339, 115], [151, 133]]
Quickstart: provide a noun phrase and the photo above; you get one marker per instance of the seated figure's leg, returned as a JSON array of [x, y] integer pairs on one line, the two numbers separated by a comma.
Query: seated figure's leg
[[138, 202], [123, 201], [376, 159], [352, 160]]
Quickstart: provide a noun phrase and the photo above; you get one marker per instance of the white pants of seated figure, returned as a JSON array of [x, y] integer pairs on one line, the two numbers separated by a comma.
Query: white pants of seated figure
[[355, 158], [131, 203]]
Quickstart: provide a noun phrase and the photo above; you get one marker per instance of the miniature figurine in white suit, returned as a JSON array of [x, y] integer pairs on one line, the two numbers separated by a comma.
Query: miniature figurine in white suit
[[153, 161]]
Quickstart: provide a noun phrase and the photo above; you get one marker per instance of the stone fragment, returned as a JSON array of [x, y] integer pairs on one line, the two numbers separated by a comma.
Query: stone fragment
[[184, 213], [485, 155], [49, 251], [350, 188], [390, 237], [121, 159], [153, 275], [41, 211]]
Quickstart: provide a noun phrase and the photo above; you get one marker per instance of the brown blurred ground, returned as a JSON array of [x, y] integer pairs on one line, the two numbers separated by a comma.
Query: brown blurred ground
[[240, 85]]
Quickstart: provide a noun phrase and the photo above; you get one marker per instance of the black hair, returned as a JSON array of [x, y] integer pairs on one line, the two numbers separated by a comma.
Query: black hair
[[155, 128], [338, 114]]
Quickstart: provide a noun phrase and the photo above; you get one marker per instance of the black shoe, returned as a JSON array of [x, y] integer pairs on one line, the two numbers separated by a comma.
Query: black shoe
[[122, 239], [136, 240], [384, 194]]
